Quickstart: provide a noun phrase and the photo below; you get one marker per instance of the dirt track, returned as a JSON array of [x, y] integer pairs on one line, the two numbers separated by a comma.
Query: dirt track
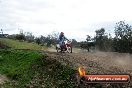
[[97, 62]]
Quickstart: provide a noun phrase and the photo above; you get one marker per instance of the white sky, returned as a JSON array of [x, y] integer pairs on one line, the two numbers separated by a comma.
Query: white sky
[[76, 18]]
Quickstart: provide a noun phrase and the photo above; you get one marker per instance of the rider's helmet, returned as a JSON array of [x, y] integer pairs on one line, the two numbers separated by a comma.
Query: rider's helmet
[[62, 33]]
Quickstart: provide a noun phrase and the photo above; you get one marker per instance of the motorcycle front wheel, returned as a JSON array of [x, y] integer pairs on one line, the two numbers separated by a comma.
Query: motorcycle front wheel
[[69, 49]]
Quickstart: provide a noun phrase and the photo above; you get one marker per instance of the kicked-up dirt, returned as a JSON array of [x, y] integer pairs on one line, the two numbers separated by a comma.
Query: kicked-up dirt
[[97, 62]]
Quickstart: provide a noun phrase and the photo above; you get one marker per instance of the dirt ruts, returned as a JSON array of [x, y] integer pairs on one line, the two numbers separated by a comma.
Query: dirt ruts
[[99, 62]]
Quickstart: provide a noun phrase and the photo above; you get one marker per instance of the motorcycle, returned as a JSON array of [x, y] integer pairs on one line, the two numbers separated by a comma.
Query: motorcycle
[[66, 46]]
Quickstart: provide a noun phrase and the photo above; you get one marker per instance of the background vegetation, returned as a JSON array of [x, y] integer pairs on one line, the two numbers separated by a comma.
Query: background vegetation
[[103, 41], [16, 44], [121, 42]]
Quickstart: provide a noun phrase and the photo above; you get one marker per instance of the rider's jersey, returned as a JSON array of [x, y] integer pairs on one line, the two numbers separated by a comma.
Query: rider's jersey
[[62, 38]]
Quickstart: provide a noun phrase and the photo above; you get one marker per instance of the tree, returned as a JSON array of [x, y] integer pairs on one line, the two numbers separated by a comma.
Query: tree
[[38, 41], [55, 34], [49, 41], [100, 32], [123, 37], [29, 36], [20, 37], [88, 38], [1, 31], [99, 38], [43, 39], [75, 43]]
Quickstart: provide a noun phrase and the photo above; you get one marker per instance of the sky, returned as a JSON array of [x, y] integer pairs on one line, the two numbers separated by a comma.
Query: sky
[[76, 18]]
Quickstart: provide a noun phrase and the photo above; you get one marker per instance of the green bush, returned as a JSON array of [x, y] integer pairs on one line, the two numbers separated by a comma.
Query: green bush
[[20, 37]]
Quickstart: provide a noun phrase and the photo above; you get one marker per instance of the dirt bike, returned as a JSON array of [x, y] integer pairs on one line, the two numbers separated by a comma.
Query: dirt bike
[[66, 46]]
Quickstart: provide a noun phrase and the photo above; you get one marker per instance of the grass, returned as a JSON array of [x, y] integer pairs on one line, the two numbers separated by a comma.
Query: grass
[[33, 69], [16, 44], [16, 65], [29, 68]]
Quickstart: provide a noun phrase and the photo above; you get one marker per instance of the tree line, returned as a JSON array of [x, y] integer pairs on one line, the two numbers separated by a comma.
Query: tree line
[[121, 42], [49, 40], [103, 41]]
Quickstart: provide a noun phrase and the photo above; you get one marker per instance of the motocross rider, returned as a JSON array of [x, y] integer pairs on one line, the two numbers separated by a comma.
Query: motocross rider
[[62, 38]]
